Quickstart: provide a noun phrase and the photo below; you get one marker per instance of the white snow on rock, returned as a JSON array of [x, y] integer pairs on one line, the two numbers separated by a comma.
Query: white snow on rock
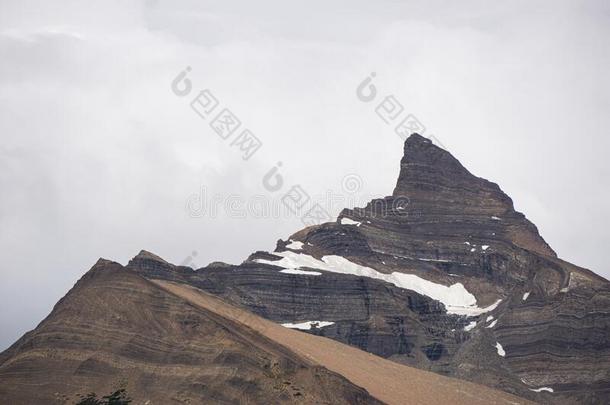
[[304, 272], [496, 219], [473, 310], [489, 318], [347, 221], [456, 298], [470, 326], [485, 247], [491, 325], [434, 260], [548, 389], [307, 325], [527, 294], [500, 349], [296, 245], [473, 249]]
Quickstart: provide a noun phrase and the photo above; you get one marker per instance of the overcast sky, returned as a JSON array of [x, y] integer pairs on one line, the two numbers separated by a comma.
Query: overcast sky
[[99, 157]]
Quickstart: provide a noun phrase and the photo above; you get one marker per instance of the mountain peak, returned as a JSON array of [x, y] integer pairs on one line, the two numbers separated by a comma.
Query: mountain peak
[[146, 255], [419, 149], [441, 191], [417, 139], [426, 165]]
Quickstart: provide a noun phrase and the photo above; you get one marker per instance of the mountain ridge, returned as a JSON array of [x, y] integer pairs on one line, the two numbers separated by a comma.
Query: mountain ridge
[[443, 275]]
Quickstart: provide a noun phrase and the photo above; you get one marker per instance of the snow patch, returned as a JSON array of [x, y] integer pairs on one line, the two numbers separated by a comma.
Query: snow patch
[[485, 247], [496, 219], [296, 245], [473, 311], [548, 389], [307, 325], [489, 318], [500, 349], [491, 325], [527, 294], [473, 249], [347, 221], [470, 326], [304, 272], [434, 260], [456, 297]]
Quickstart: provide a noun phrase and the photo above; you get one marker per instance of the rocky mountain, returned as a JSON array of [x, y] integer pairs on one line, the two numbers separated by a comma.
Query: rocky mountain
[[116, 327], [164, 342], [443, 275]]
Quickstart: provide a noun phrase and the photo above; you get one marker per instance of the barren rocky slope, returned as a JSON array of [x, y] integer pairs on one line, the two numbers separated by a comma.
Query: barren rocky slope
[[386, 380], [114, 327]]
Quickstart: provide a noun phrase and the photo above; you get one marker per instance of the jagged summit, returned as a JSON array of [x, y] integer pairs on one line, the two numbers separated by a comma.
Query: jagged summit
[[146, 255], [419, 150], [436, 173], [441, 200]]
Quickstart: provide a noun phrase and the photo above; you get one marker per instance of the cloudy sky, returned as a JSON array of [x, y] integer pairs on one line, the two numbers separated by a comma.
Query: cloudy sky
[[100, 158]]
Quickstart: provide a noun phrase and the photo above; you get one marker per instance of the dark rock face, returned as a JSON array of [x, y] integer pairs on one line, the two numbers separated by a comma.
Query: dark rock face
[[445, 199], [444, 225], [371, 315], [560, 340]]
